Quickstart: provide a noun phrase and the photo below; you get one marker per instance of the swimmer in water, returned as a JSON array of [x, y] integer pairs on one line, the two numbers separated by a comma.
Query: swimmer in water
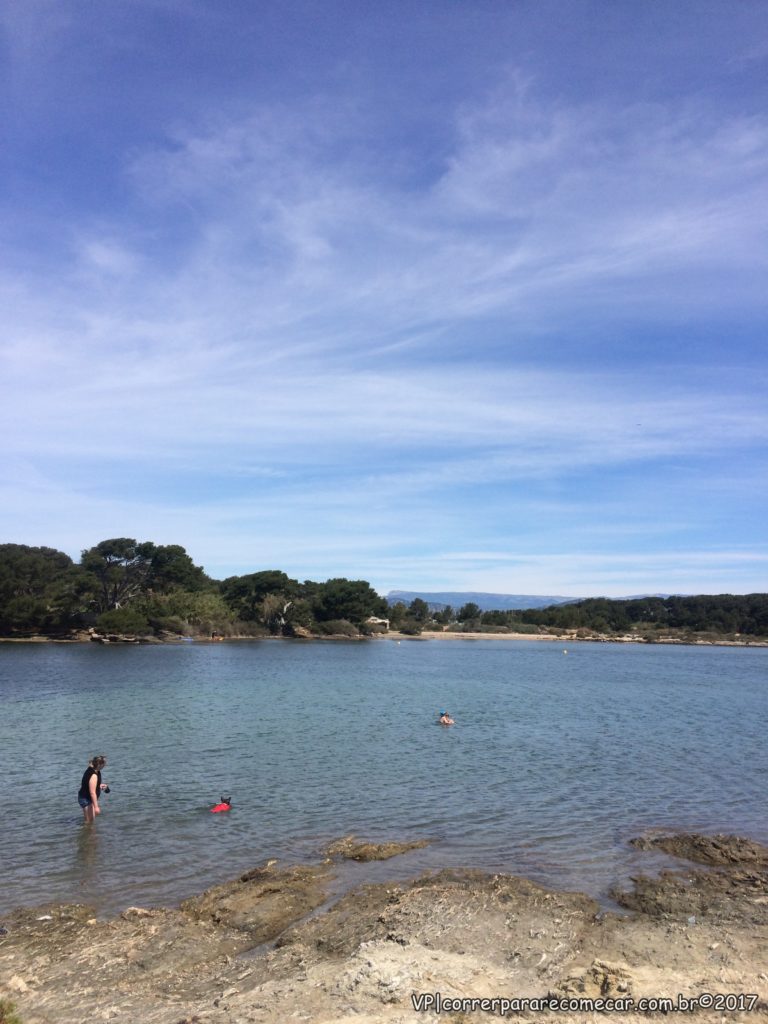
[[445, 719]]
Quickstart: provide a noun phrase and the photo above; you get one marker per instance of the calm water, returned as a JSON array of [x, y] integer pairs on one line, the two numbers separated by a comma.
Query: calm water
[[555, 761]]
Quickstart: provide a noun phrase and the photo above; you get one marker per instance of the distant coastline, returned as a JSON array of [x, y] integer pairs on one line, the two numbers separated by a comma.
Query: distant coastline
[[425, 635], [126, 591]]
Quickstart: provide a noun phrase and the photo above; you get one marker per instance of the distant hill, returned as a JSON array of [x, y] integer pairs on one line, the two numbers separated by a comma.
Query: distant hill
[[486, 602]]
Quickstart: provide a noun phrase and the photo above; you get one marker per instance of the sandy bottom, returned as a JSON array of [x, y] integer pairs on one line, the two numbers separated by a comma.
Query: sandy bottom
[[270, 947]]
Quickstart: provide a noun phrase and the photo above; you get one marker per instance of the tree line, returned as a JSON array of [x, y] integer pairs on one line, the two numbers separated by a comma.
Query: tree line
[[651, 617], [125, 586], [744, 614], [129, 587]]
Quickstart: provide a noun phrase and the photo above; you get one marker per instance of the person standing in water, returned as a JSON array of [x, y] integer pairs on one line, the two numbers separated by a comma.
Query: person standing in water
[[91, 787]]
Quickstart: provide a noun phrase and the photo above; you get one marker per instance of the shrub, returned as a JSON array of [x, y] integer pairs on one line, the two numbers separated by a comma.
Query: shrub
[[8, 1013], [122, 620], [338, 627], [372, 628], [171, 624], [410, 627]]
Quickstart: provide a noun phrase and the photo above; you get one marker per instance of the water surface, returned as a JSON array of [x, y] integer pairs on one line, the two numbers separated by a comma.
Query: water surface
[[555, 761]]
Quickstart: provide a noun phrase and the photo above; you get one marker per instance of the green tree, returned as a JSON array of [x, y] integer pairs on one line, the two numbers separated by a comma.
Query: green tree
[[39, 589], [418, 610], [353, 600], [445, 616], [119, 571], [171, 567], [396, 613], [245, 594], [469, 612]]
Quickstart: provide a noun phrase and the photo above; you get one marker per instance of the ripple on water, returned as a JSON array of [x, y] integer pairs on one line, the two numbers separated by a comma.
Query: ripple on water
[[553, 764]]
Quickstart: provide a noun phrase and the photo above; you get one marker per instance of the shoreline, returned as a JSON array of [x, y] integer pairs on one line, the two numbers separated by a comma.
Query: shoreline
[[277, 943], [563, 638], [603, 639]]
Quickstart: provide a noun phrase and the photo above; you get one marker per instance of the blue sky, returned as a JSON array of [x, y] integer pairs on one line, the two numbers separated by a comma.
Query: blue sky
[[443, 295]]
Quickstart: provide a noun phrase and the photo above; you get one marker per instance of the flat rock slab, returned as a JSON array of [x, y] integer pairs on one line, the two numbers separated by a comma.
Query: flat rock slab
[[263, 902]]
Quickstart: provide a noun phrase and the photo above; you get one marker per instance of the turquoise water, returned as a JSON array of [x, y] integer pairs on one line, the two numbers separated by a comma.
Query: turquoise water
[[555, 760]]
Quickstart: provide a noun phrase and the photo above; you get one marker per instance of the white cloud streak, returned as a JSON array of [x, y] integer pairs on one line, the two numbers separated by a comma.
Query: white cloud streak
[[298, 328]]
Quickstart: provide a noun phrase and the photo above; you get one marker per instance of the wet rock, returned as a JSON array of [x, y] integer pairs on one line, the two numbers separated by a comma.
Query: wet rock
[[351, 848], [717, 896], [263, 902], [460, 932], [717, 850]]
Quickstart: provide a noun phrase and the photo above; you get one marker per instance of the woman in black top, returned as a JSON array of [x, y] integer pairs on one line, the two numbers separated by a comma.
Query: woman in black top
[[91, 787]]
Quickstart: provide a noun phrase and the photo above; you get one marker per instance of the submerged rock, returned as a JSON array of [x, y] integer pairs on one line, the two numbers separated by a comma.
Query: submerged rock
[[736, 888], [351, 848]]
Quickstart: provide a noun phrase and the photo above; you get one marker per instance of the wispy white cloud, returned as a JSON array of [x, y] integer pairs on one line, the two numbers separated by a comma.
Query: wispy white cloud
[[275, 315]]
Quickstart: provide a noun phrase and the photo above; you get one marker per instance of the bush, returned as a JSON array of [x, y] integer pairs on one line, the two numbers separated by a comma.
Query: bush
[[410, 627], [170, 624], [8, 1013], [122, 620], [337, 627]]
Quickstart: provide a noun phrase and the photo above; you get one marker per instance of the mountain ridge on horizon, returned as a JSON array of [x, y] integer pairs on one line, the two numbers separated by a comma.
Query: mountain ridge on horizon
[[437, 600]]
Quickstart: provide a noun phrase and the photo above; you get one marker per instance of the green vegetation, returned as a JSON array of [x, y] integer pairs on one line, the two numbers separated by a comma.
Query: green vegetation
[[8, 1013], [142, 589], [124, 587], [721, 614]]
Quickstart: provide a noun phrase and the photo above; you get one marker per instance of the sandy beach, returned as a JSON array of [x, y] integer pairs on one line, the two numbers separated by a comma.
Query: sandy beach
[[271, 946], [572, 638]]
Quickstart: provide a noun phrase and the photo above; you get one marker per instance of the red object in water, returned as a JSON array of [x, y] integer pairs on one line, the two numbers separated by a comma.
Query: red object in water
[[220, 807]]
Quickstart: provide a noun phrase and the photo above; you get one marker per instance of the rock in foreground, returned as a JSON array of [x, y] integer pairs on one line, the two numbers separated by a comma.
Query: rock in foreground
[[461, 933]]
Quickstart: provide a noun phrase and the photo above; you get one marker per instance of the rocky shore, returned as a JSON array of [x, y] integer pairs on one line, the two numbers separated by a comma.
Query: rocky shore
[[271, 946]]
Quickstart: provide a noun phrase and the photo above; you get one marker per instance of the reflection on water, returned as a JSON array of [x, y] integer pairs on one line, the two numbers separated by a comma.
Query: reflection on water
[[552, 765], [86, 854]]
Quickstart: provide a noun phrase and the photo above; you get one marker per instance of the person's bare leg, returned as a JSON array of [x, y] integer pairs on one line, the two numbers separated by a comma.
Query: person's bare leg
[[88, 813]]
